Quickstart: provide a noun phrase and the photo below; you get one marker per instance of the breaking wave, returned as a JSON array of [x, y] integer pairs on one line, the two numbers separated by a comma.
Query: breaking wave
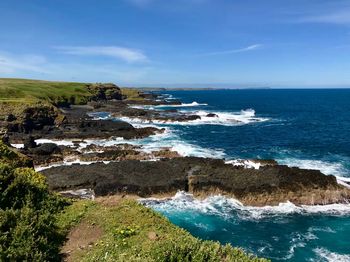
[[225, 207], [327, 255], [183, 105], [206, 118]]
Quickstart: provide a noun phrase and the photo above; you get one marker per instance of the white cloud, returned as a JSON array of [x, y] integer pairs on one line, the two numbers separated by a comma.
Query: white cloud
[[233, 51], [29, 63], [38, 67], [341, 17], [123, 53]]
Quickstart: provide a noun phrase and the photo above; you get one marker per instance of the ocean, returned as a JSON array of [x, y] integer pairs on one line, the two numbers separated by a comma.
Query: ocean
[[308, 128]]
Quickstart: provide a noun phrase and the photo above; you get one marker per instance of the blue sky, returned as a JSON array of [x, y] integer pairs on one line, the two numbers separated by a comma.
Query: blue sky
[[278, 43]]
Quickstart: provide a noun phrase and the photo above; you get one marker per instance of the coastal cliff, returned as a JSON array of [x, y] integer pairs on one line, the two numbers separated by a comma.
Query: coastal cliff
[[59, 133]]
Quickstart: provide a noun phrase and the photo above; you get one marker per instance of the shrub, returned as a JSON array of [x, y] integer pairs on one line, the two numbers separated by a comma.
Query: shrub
[[27, 213], [29, 235]]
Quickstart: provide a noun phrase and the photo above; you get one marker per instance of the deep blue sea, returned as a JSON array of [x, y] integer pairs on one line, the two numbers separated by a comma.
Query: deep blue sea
[[308, 128]]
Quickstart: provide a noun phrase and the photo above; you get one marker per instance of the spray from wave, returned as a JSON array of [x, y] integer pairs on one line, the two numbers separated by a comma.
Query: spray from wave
[[225, 207]]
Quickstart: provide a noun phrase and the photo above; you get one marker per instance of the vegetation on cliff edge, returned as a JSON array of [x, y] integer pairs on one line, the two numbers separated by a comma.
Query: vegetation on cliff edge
[[27, 212], [34, 224], [121, 229]]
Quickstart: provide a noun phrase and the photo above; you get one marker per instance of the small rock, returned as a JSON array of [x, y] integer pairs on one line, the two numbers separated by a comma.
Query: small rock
[[152, 236], [29, 142], [10, 118]]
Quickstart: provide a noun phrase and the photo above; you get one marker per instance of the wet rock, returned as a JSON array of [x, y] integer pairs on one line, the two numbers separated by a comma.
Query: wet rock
[[212, 115], [165, 153], [150, 96], [10, 118], [45, 149], [5, 139], [29, 142], [202, 177]]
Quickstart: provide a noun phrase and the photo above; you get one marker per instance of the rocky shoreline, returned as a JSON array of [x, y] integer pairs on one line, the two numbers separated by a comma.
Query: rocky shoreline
[[128, 169], [268, 185]]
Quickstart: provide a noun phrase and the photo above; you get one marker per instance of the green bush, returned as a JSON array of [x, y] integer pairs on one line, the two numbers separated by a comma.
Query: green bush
[[29, 235], [13, 158], [27, 213]]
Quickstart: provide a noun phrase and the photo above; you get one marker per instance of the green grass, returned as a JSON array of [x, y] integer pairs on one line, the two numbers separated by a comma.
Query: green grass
[[132, 94], [31, 91], [12, 90], [127, 225]]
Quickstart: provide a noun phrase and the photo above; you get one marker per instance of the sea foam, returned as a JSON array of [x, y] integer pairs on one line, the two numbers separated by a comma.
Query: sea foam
[[242, 117], [323, 253], [223, 207]]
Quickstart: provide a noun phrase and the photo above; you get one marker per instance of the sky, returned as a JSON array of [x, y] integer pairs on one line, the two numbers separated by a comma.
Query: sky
[[204, 43]]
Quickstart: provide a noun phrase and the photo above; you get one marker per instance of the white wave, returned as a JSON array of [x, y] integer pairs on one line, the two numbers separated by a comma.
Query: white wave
[[223, 206], [344, 181], [220, 118], [321, 229], [331, 256], [244, 163], [170, 140], [68, 163], [62, 142], [227, 118], [18, 146], [100, 115], [194, 103], [327, 168]]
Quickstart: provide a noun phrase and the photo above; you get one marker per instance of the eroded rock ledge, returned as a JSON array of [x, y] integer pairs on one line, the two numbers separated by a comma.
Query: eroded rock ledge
[[269, 185]]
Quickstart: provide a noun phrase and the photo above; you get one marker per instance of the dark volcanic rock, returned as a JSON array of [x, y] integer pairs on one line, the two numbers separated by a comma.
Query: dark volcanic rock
[[102, 129], [202, 177], [45, 149], [127, 176], [29, 142], [10, 118], [150, 96], [212, 115]]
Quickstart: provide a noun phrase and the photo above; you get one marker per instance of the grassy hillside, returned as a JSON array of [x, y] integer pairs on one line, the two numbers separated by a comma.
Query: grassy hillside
[[116, 229], [20, 90]]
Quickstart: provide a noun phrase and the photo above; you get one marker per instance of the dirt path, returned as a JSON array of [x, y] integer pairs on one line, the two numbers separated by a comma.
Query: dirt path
[[80, 238]]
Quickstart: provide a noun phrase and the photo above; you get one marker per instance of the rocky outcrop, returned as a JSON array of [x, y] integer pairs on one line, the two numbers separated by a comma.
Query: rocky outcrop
[[32, 118], [100, 129], [270, 184], [105, 92]]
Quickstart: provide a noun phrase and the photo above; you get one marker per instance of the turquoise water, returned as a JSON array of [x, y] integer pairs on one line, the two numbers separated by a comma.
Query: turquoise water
[[305, 128]]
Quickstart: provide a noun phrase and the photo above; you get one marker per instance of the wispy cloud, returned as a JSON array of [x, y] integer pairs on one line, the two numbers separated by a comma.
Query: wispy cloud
[[123, 53], [145, 3], [234, 51], [340, 17], [29, 63], [140, 3], [37, 66]]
